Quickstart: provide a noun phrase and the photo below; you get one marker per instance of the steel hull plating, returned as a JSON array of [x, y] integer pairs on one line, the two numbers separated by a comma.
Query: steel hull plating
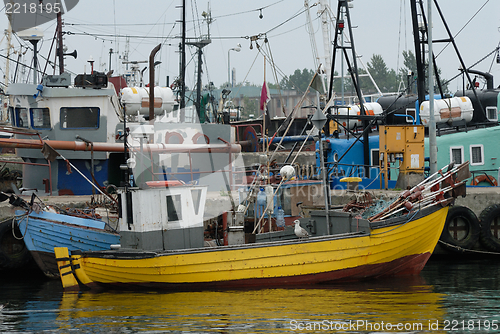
[[388, 250]]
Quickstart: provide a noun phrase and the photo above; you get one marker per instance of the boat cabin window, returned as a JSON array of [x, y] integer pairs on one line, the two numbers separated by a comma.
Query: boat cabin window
[[286, 200], [492, 114], [457, 154], [413, 113], [40, 118], [19, 116], [174, 209], [476, 155], [79, 117], [196, 194]]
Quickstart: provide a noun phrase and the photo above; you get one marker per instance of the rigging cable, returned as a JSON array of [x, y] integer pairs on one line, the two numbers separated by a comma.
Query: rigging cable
[[291, 18], [497, 57], [477, 62], [194, 8], [467, 23], [267, 56], [251, 66], [275, 75], [249, 11], [155, 25]]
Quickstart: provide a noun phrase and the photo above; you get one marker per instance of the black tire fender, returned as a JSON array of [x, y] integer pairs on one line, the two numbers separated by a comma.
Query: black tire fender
[[13, 252], [490, 228], [461, 228]]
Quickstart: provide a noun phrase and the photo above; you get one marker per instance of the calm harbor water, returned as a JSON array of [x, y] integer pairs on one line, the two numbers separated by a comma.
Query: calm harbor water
[[448, 297]]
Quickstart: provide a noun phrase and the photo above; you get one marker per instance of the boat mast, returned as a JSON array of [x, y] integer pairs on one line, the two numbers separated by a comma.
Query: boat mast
[[418, 54], [343, 8], [324, 7], [432, 121], [182, 85], [314, 48], [7, 67], [200, 44], [60, 51]]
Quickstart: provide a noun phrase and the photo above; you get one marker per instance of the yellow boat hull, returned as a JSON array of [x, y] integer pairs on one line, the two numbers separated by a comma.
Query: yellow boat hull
[[402, 248]]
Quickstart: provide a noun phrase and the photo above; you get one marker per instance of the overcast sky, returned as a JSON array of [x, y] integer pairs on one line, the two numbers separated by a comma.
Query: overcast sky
[[381, 27]]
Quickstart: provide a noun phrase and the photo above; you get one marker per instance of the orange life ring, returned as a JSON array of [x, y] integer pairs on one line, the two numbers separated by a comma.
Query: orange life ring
[[158, 184], [484, 178]]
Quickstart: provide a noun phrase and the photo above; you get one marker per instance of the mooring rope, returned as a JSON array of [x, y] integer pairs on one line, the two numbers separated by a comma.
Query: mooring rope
[[15, 219], [468, 250]]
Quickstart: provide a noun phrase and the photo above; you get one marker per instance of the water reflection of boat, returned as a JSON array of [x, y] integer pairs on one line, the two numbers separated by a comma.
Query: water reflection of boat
[[395, 301]]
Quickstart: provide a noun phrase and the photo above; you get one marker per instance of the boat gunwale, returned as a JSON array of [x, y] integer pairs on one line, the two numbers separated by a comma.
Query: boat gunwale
[[29, 218], [68, 225]]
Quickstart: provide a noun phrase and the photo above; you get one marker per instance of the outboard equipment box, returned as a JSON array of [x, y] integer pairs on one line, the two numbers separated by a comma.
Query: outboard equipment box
[[94, 80]]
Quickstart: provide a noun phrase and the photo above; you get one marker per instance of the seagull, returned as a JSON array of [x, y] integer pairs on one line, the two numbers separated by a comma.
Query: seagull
[[299, 231]]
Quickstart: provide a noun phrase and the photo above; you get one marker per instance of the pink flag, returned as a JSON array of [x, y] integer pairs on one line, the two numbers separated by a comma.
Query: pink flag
[[265, 97]]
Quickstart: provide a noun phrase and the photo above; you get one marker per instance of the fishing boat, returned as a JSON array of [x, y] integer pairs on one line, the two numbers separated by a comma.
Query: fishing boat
[[43, 228], [164, 248], [87, 115]]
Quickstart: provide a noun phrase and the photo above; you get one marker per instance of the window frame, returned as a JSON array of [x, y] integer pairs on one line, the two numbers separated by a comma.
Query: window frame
[[413, 115], [15, 112], [481, 147], [174, 207], [496, 113], [61, 113], [461, 148], [375, 164], [32, 119]]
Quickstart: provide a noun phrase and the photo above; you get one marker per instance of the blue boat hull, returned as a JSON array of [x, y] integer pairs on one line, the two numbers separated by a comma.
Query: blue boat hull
[[45, 230]]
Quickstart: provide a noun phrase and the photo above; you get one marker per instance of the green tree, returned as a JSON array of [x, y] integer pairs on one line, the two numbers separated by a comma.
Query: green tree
[[349, 89], [250, 106], [409, 62], [408, 73], [298, 80], [384, 77], [410, 69]]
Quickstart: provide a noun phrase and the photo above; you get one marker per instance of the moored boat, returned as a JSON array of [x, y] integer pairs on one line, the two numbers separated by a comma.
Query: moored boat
[[42, 230], [163, 248], [388, 249]]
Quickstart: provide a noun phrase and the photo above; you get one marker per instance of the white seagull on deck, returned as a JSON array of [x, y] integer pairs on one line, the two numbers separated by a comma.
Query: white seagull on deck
[[299, 231]]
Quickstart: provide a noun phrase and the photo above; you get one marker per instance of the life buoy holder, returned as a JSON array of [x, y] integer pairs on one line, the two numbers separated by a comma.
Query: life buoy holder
[[173, 138], [200, 138], [163, 184], [484, 178]]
